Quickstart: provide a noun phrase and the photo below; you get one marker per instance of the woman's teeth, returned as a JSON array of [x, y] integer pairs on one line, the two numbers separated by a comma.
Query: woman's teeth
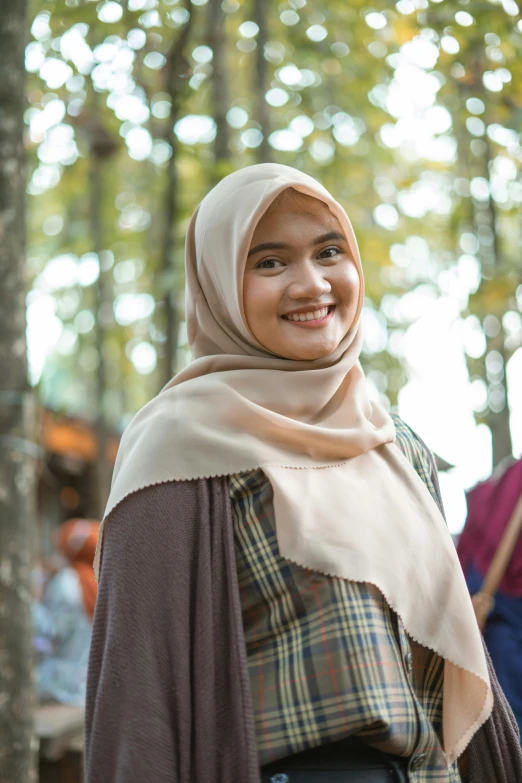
[[315, 316]]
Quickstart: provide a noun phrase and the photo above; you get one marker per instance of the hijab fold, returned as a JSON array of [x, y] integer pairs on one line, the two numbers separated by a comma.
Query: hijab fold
[[347, 502]]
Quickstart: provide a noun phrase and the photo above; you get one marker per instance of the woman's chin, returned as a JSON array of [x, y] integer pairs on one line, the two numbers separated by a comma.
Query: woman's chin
[[306, 353]]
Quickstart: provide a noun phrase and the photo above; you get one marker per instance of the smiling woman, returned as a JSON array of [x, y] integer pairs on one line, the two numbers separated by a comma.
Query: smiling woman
[[279, 595], [301, 288]]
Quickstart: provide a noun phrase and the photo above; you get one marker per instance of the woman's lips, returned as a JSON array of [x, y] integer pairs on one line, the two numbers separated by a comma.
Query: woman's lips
[[314, 322]]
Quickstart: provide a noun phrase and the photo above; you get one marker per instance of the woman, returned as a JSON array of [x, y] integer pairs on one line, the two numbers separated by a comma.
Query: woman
[[279, 596], [63, 618]]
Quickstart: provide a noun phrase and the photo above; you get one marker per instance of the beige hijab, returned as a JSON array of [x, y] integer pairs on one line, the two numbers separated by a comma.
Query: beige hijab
[[347, 502]]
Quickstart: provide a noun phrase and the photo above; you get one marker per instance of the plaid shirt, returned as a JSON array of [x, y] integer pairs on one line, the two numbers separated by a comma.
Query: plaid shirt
[[327, 657]]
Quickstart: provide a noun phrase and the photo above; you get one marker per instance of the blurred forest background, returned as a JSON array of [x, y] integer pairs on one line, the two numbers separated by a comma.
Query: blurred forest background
[[409, 112]]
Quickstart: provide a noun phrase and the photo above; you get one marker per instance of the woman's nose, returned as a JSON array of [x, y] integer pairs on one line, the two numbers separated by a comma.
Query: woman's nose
[[308, 283]]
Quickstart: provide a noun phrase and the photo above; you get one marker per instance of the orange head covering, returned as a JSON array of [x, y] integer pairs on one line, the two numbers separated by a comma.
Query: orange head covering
[[77, 540]]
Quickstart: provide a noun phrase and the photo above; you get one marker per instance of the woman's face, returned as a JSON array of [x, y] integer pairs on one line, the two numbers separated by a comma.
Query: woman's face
[[301, 285]]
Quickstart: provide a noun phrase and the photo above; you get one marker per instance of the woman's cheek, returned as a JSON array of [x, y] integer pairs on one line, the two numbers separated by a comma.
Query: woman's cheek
[[255, 296], [349, 285], [267, 296]]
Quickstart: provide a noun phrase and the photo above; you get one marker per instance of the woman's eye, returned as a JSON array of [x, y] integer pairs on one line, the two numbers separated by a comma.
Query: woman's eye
[[330, 252], [268, 263]]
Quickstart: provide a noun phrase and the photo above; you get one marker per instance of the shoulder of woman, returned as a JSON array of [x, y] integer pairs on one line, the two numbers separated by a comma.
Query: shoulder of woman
[[154, 518], [420, 457], [181, 495], [411, 444]]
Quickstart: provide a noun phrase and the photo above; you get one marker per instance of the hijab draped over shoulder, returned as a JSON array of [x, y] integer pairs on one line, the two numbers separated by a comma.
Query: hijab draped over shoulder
[[347, 503]]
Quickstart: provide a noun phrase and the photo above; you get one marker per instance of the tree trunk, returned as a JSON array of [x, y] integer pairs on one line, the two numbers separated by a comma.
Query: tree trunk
[[261, 8], [170, 303], [484, 215], [176, 80], [102, 147], [216, 40], [17, 515], [500, 435], [498, 422], [103, 469]]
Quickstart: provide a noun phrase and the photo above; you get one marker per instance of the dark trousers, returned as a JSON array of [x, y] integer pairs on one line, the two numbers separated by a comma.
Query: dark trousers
[[347, 761]]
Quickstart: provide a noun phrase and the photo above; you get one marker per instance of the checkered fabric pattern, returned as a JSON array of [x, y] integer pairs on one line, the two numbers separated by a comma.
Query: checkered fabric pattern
[[328, 658]]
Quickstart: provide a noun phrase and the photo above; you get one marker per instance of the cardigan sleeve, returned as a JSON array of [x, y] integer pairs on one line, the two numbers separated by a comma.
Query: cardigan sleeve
[[161, 703], [494, 754]]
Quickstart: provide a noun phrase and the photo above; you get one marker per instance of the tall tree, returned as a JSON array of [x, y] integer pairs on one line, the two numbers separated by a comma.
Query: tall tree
[[261, 8], [216, 39], [101, 149], [16, 457], [176, 72], [483, 95]]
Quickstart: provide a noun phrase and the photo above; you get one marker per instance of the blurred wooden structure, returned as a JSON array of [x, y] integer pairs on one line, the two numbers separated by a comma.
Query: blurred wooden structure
[[66, 488], [59, 731], [67, 485]]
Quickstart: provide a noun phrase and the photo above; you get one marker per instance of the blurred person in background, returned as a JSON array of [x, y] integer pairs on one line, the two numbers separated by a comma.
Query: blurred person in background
[[280, 598], [491, 505], [63, 616]]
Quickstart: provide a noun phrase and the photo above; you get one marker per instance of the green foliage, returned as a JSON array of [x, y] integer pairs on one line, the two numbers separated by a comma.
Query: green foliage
[[417, 186]]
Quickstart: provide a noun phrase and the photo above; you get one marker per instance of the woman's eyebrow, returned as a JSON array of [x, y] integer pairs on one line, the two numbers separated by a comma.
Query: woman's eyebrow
[[267, 246], [332, 235]]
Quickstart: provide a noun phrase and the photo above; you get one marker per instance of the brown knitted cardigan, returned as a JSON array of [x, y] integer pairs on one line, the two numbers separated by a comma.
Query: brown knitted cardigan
[[168, 697]]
